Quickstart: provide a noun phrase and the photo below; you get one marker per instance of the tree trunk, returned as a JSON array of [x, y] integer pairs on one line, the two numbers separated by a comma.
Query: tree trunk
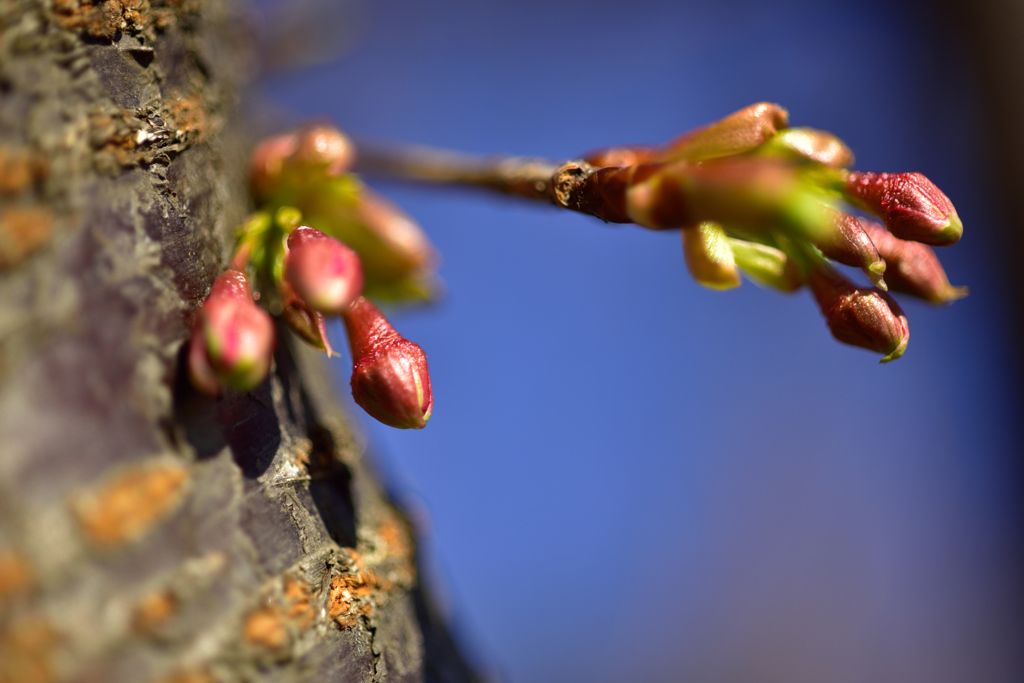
[[148, 533]]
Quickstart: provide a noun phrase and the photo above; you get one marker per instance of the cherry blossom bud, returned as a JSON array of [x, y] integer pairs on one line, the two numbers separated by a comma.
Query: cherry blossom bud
[[709, 256], [390, 380], [323, 151], [266, 164], [810, 144], [913, 267], [235, 335], [738, 132], [322, 271], [908, 203], [848, 244], [859, 316]]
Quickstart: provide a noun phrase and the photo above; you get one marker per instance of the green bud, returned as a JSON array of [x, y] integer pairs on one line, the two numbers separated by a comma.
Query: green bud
[[709, 256], [809, 144], [766, 265], [739, 132]]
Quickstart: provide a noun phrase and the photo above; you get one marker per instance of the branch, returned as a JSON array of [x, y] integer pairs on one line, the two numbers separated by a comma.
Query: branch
[[527, 177]]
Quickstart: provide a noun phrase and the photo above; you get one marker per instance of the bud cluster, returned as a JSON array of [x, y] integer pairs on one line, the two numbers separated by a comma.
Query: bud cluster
[[752, 195], [310, 273], [749, 194], [309, 170]]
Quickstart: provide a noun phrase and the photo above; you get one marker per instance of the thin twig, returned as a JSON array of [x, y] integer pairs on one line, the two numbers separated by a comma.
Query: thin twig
[[520, 176]]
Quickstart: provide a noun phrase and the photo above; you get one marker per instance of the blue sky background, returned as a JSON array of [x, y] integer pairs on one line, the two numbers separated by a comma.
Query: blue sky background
[[629, 477]]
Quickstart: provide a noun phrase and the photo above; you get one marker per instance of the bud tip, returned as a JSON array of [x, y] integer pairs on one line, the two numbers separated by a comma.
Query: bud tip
[[951, 232]]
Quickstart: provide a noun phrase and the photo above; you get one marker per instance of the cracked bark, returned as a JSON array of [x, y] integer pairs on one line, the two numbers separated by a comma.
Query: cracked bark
[[148, 533]]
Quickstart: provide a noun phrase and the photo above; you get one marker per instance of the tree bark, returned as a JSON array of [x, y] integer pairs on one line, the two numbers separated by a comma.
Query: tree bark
[[148, 533]]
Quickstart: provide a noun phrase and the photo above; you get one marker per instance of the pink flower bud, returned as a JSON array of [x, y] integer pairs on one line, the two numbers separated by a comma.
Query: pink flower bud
[[236, 336], [913, 267], [390, 380], [859, 316], [848, 244], [267, 163], [324, 273], [908, 203], [324, 150]]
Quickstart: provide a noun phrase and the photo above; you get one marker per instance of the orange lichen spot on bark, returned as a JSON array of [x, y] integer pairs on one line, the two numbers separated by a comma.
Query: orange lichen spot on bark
[[399, 549], [163, 17], [190, 676], [395, 534], [187, 118], [15, 575], [129, 506], [101, 18], [300, 609], [266, 627], [340, 600], [20, 168], [153, 611], [115, 136], [23, 230], [26, 649], [351, 594]]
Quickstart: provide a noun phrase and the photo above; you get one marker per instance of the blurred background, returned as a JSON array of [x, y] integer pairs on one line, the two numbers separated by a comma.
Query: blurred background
[[629, 477]]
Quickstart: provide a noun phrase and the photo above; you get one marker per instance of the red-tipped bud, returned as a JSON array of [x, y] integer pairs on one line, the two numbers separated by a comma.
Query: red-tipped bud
[[390, 380], [908, 203], [266, 164], [323, 150], [859, 316], [913, 267], [848, 244], [324, 273], [236, 337]]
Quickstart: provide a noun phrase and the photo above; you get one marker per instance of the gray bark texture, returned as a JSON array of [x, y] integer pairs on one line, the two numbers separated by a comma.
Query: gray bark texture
[[147, 532]]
